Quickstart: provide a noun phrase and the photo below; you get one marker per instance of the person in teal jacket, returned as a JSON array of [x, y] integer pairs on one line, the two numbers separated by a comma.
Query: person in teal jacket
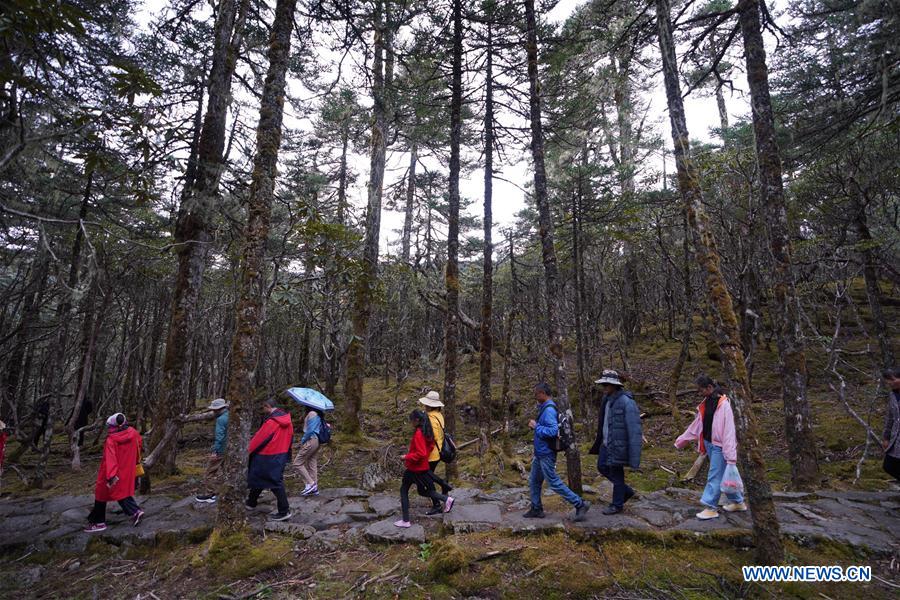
[[214, 464]]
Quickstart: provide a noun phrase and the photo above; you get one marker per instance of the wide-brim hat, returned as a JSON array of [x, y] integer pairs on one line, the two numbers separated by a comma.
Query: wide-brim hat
[[611, 377], [432, 399], [217, 404]]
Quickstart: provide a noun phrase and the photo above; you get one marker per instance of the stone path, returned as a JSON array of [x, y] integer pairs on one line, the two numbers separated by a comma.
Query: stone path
[[869, 520]]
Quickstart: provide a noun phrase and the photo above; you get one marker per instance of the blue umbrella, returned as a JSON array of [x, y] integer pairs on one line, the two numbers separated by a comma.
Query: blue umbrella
[[311, 398]]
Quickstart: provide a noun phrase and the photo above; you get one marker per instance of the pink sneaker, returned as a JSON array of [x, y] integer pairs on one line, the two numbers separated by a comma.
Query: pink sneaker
[[95, 528], [448, 504], [403, 524]]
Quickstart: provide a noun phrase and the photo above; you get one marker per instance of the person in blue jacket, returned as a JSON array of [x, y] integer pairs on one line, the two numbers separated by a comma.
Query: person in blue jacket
[[217, 455], [543, 467], [619, 438], [306, 460]]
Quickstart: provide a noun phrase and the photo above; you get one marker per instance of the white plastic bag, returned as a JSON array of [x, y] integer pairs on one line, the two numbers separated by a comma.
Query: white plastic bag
[[731, 481]]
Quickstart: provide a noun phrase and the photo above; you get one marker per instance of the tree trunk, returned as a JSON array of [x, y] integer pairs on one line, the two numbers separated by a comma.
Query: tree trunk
[[551, 274], [193, 234], [688, 324], [451, 274], [410, 203], [364, 292], [250, 311], [15, 378], [91, 331], [786, 309], [873, 292], [577, 265], [58, 355], [766, 530], [621, 61], [488, 410]]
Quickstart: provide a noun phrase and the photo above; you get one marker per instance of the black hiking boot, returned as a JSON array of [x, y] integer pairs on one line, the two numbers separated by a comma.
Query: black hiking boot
[[435, 510], [612, 510], [534, 513]]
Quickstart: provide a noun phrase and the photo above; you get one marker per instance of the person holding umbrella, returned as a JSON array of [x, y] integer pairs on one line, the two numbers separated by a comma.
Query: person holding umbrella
[[307, 457], [270, 451]]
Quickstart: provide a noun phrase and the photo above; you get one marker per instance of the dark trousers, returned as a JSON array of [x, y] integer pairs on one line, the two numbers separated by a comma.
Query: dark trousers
[[445, 487], [98, 514], [280, 498], [892, 466], [424, 485], [616, 474]]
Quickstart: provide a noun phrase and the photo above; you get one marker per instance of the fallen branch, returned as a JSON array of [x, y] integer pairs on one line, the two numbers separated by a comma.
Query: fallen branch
[[497, 553], [172, 428], [362, 587], [658, 393], [695, 468], [470, 442]]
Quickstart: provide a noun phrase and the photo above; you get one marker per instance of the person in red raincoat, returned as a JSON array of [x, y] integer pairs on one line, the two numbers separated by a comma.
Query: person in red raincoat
[[115, 478], [270, 451], [3, 436]]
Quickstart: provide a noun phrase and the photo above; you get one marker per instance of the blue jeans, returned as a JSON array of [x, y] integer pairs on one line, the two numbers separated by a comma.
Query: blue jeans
[[616, 475], [713, 489], [544, 468]]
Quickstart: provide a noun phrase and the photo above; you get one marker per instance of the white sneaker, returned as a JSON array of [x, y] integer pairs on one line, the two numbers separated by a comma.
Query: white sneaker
[[735, 507], [707, 513]]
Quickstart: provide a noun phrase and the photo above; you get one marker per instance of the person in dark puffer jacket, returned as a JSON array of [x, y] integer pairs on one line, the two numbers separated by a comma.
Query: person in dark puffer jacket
[[619, 438]]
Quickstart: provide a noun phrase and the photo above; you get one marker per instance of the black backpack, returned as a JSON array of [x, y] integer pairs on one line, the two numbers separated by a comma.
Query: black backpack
[[448, 449], [563, 439], [324, 433]]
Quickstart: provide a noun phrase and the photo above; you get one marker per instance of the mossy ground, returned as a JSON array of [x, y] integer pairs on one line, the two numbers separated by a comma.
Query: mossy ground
[[616, 564]]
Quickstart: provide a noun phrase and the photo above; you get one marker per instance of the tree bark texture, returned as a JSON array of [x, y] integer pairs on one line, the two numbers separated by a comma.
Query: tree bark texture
[[766, 530], [786, 310], [451, 272], [548, 252], [193, 234], [250, 312], [366, 282], [488, 410]]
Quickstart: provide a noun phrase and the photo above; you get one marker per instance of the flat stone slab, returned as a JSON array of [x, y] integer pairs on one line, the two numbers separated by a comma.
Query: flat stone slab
[[384, 505], [385, 531], [327, 539], [353, 507], [332, 506], [296, 530], [62, 503], [858, 495], [465, 495], [344, 492], [869, 520], [473, 517], [506, 496]]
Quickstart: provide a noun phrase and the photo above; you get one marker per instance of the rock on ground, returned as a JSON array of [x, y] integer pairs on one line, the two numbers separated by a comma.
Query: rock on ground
[[385, 531]]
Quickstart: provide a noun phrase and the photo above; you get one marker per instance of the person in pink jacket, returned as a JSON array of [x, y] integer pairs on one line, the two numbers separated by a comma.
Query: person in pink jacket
[[713, 430]]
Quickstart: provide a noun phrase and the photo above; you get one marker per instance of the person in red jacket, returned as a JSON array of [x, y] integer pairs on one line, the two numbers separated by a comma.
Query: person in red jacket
[[418, 471], [3, 436], [270, 451], [115, 478]]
